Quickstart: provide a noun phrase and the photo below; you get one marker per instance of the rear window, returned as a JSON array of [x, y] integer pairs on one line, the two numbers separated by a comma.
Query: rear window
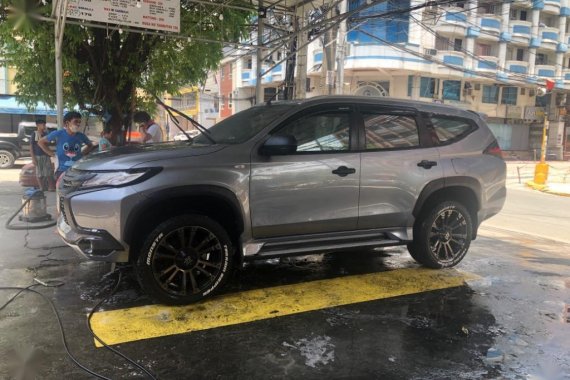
[[447, 129]]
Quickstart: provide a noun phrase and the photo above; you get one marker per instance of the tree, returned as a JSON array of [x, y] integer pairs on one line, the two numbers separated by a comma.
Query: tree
[[104, 68]]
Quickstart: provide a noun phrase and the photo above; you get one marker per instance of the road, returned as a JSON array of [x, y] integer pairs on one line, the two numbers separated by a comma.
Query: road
[[507, 319], [534, 213]]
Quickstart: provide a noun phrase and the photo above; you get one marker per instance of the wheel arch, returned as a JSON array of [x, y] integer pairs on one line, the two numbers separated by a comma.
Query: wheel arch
[[215, 202], [466, 190]]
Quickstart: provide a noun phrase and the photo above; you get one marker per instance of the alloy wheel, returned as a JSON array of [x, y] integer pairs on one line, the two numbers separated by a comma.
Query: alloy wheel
[[187, 260], [448, 235]]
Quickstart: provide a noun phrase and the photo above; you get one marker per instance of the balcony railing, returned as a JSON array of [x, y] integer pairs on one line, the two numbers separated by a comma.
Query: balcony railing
[[545, 71], [451, 57], [517, 67], [453, 21], [550, 34], [552, 7], [490, 23], [487, 63], [520, 30]]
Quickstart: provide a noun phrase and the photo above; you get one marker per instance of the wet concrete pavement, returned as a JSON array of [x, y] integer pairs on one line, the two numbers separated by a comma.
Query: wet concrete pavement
[[510, 322]]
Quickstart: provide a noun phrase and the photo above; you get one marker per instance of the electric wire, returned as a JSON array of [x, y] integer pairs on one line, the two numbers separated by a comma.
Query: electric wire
[[115, 351], [60, 324], [62, 332]]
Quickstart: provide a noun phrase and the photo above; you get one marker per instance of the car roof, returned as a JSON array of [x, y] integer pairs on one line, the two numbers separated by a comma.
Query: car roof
[[383, 101]]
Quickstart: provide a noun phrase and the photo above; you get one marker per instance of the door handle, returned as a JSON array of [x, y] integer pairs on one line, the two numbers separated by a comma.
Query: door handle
[[343, 171], [427, 164]]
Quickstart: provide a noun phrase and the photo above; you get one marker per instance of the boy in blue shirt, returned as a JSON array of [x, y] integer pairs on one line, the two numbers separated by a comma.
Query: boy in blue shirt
[[69, 143]]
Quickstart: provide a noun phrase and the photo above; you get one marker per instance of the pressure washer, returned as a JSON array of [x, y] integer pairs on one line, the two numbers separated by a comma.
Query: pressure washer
[[34, 211]]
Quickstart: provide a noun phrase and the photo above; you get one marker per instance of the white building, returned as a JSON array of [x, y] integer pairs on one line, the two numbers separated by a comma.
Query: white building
[[486, 56]]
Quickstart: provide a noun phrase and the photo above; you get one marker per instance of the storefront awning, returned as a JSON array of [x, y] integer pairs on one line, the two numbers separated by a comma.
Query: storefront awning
[[10, 105]]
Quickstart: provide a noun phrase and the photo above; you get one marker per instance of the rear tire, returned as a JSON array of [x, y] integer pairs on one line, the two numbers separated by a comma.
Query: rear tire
[[442, 236], [7, 159], [185, 259]]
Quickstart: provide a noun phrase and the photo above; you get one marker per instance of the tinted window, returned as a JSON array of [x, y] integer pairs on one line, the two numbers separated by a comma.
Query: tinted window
[[447, 129], [244, 125], [323, 132], [390, 131]]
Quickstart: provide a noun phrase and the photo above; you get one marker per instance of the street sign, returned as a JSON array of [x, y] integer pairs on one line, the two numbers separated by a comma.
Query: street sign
[[157, 14]]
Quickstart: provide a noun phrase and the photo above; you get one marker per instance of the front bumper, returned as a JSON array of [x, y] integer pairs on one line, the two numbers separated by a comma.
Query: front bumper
[[94, 244]]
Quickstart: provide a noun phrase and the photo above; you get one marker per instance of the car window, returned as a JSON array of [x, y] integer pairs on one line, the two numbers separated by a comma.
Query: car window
[[385, 131], [448, 129], [244, 125], [322, 132]]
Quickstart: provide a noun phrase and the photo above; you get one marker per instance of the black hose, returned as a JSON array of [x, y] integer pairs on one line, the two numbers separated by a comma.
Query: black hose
[[26, 227]]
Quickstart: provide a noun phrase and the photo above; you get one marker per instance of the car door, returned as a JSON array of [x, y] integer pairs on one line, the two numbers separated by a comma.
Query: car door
[[315, 189], [397, 163]]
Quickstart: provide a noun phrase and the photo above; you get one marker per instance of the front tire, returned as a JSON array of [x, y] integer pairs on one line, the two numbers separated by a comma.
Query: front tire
[[185, 259], [442, 236], [7, 159]]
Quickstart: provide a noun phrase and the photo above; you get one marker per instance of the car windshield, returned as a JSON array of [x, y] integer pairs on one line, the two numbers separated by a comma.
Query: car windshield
[[244, 125]]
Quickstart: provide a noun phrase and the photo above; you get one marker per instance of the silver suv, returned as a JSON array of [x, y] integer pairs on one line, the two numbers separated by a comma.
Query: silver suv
[[290, 178]]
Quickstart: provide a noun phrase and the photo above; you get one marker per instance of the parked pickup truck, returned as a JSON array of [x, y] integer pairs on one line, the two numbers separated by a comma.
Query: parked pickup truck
[[16, 145]]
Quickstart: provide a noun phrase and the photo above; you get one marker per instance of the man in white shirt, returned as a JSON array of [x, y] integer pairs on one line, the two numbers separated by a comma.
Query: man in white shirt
[[151, 132]]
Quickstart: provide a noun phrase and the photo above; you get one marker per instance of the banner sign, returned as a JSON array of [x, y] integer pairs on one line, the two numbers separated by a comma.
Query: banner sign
[[148, 14]]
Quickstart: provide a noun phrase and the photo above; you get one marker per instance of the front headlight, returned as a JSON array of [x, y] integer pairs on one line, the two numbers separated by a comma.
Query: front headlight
[[117, 178]]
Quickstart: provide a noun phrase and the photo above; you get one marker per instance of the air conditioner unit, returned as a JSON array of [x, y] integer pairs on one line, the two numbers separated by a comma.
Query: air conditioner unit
[[430, 51]]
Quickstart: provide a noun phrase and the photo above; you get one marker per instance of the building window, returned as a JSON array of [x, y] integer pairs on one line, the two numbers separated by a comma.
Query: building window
[[393, 29], [520, 55], [509, 96], [490, 94], [523, 16], [248, 63], [483, 50], [410, 84], [451, 89], [458, 45], [230, 102], [541, 59], [427, 87]]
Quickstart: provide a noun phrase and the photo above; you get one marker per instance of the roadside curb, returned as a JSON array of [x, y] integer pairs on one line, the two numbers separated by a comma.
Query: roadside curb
[[546, 189]]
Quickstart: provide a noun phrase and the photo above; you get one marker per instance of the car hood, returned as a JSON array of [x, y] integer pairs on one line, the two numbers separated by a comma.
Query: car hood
[[126, 157]]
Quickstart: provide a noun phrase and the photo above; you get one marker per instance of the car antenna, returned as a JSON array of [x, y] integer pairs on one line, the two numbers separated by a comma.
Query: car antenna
[[273, 96], [198, 126]]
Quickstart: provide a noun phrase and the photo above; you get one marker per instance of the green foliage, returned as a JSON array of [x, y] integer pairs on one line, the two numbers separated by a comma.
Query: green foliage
[[104, 68]]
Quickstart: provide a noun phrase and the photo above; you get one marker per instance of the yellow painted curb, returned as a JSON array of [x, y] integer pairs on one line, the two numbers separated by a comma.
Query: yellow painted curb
[[535, 186], [545, 189], [137, 323]]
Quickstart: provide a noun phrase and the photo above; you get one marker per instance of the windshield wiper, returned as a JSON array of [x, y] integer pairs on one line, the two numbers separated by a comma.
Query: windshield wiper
[[198, 126]]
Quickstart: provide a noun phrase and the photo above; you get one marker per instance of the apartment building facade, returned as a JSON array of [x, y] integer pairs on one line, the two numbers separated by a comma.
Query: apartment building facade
[[486, 56]]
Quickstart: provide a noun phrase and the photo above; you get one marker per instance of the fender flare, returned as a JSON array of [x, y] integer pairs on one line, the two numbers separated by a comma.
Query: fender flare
[[442, 183], [163, 195]]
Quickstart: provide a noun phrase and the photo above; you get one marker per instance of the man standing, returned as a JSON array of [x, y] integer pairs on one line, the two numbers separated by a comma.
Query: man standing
[[151, 132], [69, 143], [42, 162]]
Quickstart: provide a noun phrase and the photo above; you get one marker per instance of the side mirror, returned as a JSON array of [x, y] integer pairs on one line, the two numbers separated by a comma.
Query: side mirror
[[279, 145]]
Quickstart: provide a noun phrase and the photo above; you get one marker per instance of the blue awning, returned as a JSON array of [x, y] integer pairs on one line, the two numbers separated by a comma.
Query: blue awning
[[10, 105]]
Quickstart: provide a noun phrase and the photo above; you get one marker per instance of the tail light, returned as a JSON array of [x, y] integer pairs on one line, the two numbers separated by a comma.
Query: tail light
[[494, 150]]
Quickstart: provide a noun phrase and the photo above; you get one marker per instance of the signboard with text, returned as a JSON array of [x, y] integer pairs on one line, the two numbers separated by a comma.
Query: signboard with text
[[148, 14]]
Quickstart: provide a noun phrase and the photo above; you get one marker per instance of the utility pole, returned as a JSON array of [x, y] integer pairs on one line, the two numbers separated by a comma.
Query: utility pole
[[341, 50], [259, 70], [541, 169], [59, 12]]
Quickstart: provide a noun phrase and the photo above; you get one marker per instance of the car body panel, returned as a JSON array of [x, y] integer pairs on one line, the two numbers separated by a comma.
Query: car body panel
[[289, 196]]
